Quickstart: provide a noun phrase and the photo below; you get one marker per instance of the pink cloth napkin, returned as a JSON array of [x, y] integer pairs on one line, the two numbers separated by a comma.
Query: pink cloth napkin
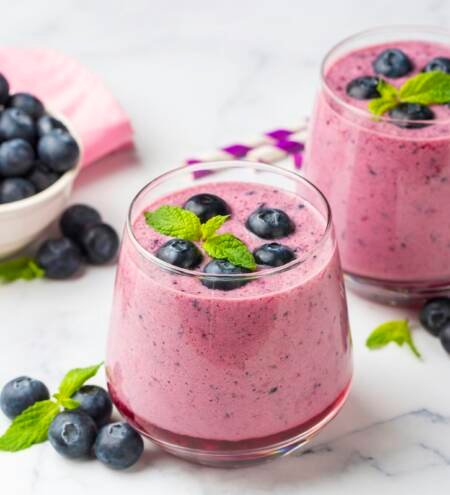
[[68, 88]]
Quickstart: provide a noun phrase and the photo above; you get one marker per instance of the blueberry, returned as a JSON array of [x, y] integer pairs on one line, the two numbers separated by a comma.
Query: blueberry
[[438, 64], [46, 124], [59, 258], [206, 206], [76, 218], [435, 315], [59, 150], [444, 337], [270, 223], [178, 252], [223, 267], [363, 88], [392, 63], [20, 393], [14, 123], [4, 89], [72, 434], [273, 254], [27, 103], [404, 113], [16, 157], [99, 243], [118, 445], [41, 176], [15, 189], [95, 402]]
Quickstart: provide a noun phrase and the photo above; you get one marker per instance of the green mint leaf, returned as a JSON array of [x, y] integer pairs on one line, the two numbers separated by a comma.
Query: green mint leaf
[[30, 427], [176, 222], [392, 331], [212, 225], [228, 247], [69, 404], [389, 98], [23, 268], [74, 380], [426, 88]]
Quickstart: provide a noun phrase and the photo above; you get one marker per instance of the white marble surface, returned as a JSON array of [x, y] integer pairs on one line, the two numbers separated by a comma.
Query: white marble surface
[[195, 75]]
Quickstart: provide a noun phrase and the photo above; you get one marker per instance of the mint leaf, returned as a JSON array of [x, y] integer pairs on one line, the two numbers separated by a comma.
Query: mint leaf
[[389, 98], [74, 380], [30, 427], [69, 404], [228, 247], [426, 88], [19, 268], [176, 222], [209, 228], [392, 331]]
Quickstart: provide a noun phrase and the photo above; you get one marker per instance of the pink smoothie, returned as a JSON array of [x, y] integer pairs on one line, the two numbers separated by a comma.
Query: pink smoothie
[[191, 365], [389, 188]]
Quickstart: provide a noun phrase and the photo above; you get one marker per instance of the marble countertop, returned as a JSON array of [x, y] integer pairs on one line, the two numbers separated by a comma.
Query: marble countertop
[[193, 76]]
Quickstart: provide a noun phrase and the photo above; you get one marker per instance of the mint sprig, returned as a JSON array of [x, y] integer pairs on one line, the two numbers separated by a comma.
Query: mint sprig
[[228, 247], [31, 426], [176, 222], [23, 268], [397, 331], [210, 227]]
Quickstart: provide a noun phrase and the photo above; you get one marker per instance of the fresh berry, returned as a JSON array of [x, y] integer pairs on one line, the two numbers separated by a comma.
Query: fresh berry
[[270, 223], [118, 445], [59, 258], [435, 315], [444, 337], [16, 158], [20, 393], [4, 89], [178, 252], [46, 124], [76, 218], [95, 402], [273, 254], [15, 123], [438, 64], [206, 206], [28, 103], [392, 63], [59, 150], [404, 113], [221, 267], [72, 434], [41, 176], [15, 189], [363, 88], [99, 243]]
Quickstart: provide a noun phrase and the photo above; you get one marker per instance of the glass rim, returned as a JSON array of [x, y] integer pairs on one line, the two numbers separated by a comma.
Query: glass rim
[[216, 166], [362, 34]]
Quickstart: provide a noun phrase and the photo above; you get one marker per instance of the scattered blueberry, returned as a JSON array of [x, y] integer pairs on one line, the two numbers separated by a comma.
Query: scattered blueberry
[[59, 150], [20, 393], [59, 258], [27, 103], [4, 89], [99, 243], [206, 206], [444, 337], [392, 63], [15, 123], [15, 189], [76, 218], [221, 267], [363, 88], [95, 402], [16, 158], [179, 252], [72, 434], [435, 315], [441, 64], [273, 254], [270, 223], [46, 124], [41, 176], [118, 445], [404, 113]]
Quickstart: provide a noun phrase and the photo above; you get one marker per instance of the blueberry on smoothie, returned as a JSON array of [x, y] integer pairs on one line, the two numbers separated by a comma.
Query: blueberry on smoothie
[[435, 315], [27, 103], [4, 89], [16, 158], [72, 434], [444, 337], [15, 189], [179, 252], [95, 402], [59, 258], [99, 243], [21, 393], [15, 123], [76, 218], [363, 88], [270, 223], [438, 64], [206, 206], [220, 267], [392, 63], [46, 124], [273, 254], [59, 150], [404, 113], [41, 176]]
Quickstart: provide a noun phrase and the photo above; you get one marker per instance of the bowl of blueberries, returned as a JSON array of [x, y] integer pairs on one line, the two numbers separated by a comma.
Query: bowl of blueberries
[[39, 160]]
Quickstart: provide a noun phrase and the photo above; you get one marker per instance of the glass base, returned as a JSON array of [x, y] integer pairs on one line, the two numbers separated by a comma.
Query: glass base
[[226, 454], [395, 293]]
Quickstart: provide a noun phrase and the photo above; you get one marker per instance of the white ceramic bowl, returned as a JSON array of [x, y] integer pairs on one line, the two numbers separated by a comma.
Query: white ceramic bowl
[[22, 221]]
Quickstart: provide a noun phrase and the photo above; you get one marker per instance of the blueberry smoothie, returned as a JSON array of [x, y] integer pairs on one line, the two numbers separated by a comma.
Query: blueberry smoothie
[[387, 177], [215, 365]]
